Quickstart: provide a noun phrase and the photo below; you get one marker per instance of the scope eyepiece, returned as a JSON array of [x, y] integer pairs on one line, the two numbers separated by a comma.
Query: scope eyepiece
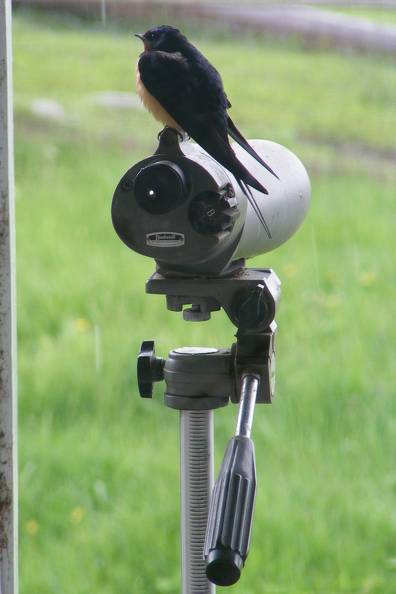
[[160, 187]]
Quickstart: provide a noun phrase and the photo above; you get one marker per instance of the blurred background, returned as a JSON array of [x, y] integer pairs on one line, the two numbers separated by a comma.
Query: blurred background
[[98, 465]]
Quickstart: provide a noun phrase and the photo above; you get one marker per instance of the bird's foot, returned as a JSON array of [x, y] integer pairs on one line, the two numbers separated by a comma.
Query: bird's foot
[[180, 134]]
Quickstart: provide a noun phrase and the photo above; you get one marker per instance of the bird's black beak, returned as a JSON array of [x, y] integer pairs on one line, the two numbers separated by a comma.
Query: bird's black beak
[[145, 42]]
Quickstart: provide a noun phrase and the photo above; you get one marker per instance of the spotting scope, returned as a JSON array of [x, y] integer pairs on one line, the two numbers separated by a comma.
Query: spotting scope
[[180, 207]]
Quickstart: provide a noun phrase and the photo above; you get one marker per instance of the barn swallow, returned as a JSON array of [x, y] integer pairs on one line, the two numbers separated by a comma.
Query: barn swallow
[[180, 87]]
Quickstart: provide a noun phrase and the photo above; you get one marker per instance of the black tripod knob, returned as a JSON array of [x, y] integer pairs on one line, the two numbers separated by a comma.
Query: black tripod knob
[[149, 368], [231, 514]]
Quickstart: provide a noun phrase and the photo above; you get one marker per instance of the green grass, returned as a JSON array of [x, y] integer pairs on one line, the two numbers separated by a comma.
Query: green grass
[[99, 466]]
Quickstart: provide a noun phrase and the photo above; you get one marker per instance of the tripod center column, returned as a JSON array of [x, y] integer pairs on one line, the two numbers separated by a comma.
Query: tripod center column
[[196, 483], [198, 380]]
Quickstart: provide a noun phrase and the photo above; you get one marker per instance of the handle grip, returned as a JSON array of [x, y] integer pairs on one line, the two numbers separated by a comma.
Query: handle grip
[[231, 513]]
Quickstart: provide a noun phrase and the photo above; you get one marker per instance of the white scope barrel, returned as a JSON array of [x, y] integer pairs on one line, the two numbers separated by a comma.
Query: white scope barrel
[[286, 205]]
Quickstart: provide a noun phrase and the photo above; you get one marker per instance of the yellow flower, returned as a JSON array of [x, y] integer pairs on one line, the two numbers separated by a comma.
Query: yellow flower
[[77, 515], [32, 527], [367, 279], [333, 301], [81, 325], [290, 270]]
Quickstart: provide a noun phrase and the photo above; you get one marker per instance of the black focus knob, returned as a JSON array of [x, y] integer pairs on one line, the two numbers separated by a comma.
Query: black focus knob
[[149, 368], [213, 212]]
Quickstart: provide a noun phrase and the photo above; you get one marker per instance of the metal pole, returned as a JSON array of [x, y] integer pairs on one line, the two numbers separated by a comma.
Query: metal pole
[[196, 483], [249, 388], [8, 449]]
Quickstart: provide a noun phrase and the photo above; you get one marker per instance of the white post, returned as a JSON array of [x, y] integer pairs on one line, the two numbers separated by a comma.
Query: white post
[[8, 451]]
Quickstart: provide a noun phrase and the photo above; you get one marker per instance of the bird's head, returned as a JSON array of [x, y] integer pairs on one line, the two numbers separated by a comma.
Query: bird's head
[[163, 38]]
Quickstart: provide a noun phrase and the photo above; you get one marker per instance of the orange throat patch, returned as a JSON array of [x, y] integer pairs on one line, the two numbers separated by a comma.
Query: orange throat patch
[[153, 106]]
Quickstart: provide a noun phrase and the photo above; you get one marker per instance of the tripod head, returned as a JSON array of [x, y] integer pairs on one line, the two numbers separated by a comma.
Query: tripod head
[[249, 299], [201, 379]]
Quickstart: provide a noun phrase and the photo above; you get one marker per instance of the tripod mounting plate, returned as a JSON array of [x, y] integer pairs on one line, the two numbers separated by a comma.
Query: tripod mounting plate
[[249, 297]]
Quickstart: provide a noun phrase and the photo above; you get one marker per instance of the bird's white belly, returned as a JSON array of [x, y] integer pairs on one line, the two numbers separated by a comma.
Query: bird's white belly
[[152, 105]]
